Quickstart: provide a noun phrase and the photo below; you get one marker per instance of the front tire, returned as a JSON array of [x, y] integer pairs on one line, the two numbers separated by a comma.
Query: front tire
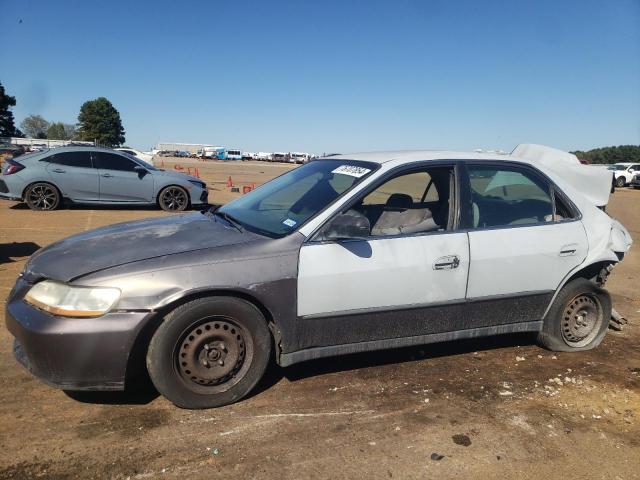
[[578, 318], [173, 199], [620, 182], [42, 196], [209, 352]]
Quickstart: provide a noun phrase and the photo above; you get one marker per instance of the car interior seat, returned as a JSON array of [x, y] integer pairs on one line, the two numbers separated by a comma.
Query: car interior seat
[[399, 216]]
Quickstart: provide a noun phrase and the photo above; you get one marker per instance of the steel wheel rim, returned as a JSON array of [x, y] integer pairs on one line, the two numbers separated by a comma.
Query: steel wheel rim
[[581, 320], [43, 197], [214, 355], [174, 199]]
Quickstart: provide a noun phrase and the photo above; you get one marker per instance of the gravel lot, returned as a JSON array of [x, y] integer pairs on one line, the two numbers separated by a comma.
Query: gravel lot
[[493, 408]]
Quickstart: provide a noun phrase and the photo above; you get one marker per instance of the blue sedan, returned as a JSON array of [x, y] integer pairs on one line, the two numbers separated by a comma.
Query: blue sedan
[[89, 175]]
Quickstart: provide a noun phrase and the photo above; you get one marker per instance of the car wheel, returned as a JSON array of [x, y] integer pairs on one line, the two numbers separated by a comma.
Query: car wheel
[[620, 182], [173, 199], [578, 318], [42, 196], [209, 352]]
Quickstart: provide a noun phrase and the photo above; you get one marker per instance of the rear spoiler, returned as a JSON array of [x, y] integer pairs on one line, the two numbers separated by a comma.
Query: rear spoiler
[[593, 183]]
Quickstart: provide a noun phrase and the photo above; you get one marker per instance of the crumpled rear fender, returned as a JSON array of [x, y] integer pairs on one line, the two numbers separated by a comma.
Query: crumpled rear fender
[[603, 250]]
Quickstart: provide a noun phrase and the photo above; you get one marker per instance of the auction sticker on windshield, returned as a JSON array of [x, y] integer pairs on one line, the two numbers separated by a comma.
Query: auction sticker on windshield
[[351, 170]]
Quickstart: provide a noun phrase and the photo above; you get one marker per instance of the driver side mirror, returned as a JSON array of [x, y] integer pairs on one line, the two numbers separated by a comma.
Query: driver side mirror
[[140, 170], [347, 226]]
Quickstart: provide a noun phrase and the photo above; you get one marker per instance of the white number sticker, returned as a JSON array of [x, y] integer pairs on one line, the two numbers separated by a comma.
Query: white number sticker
[[351, 170], [289, 223]]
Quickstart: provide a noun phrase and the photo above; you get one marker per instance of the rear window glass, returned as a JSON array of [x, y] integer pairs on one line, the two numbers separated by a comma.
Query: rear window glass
[[71, 159]]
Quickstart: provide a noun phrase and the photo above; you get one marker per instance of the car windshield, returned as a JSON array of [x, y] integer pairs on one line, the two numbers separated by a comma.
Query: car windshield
[[285, 203], [618, 167]]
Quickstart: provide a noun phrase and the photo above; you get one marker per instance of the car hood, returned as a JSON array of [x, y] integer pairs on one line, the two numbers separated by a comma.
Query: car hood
[[129, 242], [177, 175]]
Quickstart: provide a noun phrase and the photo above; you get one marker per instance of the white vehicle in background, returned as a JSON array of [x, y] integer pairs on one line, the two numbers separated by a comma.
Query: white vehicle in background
[[248, 156], [146, 156], [624, 172], [233, 155], [266, 156], [298, 157], [280, 157]]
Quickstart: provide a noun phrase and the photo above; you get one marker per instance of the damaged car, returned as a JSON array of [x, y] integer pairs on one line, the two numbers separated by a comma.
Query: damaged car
[[352, 253]]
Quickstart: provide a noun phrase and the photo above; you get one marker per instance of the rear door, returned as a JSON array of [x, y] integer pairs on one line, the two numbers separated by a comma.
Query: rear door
[[73, 173], [120, 182], [524, 238]]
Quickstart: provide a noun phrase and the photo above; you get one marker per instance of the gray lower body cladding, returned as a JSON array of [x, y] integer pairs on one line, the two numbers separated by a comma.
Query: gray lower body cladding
[[351, 332]]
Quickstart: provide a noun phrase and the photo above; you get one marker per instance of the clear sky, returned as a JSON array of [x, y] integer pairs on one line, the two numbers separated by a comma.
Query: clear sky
[[334, 76]]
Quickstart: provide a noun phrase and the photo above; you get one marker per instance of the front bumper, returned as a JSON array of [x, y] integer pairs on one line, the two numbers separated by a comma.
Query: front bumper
[[72, 354]]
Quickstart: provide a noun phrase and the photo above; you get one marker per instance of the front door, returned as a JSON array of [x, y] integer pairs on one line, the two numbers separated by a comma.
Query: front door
[[406, 279], [120, 182]]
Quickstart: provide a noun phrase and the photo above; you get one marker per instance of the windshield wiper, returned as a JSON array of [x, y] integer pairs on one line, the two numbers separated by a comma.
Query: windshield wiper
[[230, 220]]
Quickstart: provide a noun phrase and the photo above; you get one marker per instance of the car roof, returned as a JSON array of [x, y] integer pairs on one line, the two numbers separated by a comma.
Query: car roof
[[409, 156], [88, 148]]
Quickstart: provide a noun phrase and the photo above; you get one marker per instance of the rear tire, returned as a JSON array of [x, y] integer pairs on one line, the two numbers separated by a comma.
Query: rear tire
[[42, 196], [620, 182], [209, 352], [578, 318]]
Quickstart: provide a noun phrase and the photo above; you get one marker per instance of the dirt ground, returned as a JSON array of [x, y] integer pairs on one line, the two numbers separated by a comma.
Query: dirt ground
[[493, 408]]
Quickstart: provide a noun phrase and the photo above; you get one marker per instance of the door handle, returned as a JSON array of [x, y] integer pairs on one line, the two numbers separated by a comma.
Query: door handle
[[58, 170], [568, 250], [106, 175], [448, 262]]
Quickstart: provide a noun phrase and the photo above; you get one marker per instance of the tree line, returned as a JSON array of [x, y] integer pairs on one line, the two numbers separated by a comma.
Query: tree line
[[609, 155], [98, 121]]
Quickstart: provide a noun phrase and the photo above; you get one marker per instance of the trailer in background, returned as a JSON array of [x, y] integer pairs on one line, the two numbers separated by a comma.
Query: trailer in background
[[280, 157], [214, 153]]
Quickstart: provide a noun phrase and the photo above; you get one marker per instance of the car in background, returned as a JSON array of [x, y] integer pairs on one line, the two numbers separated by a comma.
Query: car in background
[[146, 156], [264, 156], [353, 253], [248, 155], [10, 150], [91, 175], [37, 147], [624, 172]]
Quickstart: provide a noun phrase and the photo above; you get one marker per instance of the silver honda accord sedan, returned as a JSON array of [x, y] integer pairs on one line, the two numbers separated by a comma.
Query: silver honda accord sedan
[[88, 175], [353, 253]]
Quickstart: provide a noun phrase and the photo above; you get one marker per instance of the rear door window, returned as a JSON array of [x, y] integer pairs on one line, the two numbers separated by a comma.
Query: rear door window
[[111, 161], [508, 196], [71, 159]]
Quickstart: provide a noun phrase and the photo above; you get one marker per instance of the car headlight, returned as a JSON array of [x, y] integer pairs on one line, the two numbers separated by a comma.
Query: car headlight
[[71, 301], [197, 183]]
